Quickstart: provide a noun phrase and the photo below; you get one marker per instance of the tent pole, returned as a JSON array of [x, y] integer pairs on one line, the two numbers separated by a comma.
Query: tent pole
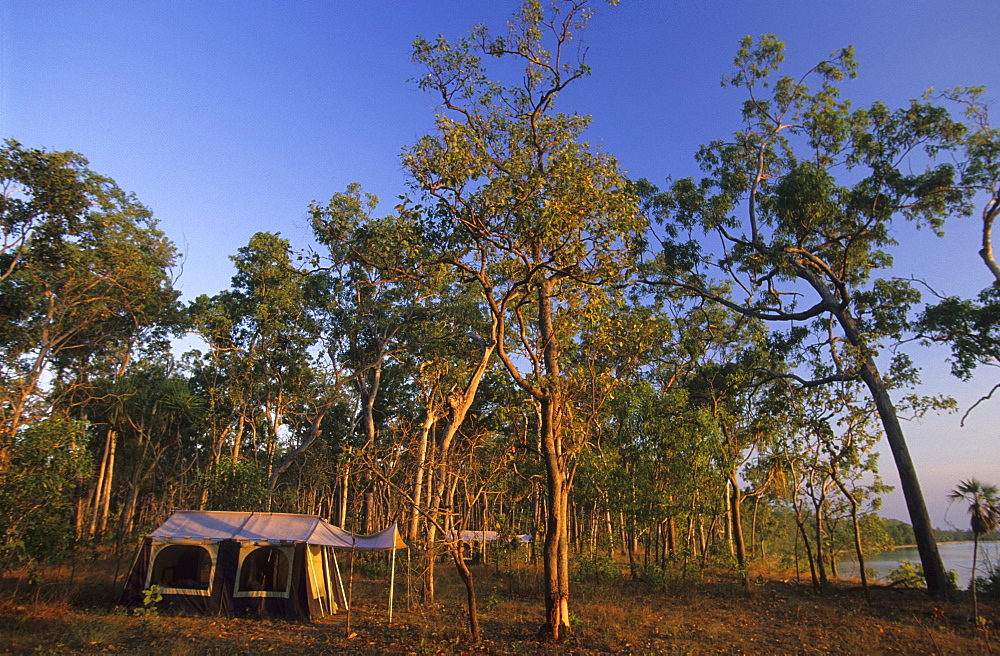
[[340, 579], [392, 580], [328, 580], [350, 588]]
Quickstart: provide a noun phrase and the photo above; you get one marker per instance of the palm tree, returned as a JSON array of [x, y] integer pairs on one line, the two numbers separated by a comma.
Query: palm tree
[[984, 510]]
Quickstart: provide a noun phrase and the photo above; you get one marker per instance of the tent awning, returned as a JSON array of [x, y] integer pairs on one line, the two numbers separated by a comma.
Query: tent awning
[[273, 527], [487, 536]]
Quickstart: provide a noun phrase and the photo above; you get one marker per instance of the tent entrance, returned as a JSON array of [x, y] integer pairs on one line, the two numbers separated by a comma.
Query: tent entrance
[[264, 571], [183, 568]]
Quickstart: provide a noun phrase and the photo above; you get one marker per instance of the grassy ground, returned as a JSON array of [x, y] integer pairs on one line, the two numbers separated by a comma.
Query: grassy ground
[[70, 611]]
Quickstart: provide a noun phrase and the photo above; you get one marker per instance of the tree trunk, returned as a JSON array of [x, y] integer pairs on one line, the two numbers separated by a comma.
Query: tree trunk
[[99, 488], [368, 513], [470, 592], [975, 559], [930, 558], [108, 480], [805, 541], [671, 537], [736, 513], [858, 548], [820, 558], [418, 474]]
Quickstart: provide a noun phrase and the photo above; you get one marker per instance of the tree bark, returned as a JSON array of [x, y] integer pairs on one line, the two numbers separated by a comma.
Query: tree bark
[[108, 479], [418, 474], [930, 558], [736, 511]]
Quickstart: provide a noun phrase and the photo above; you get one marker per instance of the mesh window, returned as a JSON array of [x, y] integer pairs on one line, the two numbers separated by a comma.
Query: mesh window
[[264, 570], [182, 566]]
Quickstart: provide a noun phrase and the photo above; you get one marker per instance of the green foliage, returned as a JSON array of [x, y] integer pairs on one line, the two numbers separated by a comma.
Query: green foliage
[[372, 566], [596, 568], [48, 460], [911, 575], [899, 532], [990, 584], [84, 283], [907, 574], [971, 328], [236, 485], [151, 597]]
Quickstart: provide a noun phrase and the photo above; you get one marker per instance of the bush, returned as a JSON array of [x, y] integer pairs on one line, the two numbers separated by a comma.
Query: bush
[[989, 585], [36, 492], [587, 566], [911, 575]]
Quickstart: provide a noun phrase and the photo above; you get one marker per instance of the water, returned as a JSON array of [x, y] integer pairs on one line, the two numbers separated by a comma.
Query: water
[[956, 556]]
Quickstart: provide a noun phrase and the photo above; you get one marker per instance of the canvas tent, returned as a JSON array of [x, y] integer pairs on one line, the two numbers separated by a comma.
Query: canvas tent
[[239, 563]]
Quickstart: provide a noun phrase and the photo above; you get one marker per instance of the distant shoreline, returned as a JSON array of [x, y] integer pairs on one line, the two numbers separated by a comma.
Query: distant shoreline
[[913, 546]]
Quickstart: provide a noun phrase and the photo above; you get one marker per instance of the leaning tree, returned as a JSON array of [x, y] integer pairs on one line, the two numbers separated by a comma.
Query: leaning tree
[[802, 201]]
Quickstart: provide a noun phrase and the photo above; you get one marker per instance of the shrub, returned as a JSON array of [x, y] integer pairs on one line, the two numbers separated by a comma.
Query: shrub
[[989, 585], [587, 566], [911, 575], [36, 492]]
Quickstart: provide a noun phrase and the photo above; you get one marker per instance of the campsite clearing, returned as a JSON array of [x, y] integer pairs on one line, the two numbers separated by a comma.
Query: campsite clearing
[[53, 615]]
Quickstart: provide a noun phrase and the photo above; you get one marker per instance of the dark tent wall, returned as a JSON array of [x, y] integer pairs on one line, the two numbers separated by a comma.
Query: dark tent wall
[[266, 580], [238, 563]]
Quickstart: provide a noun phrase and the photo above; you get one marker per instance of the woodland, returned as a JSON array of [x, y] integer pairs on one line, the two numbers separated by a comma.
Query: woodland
[[674, 380]]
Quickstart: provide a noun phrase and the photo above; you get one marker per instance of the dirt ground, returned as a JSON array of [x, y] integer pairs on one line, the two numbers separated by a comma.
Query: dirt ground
[[73, 613]]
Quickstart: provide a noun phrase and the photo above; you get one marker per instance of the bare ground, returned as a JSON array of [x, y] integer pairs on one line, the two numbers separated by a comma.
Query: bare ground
[[72, 613]]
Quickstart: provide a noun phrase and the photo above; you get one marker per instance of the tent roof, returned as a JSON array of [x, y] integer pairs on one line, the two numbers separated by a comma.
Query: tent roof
[[272, 527]]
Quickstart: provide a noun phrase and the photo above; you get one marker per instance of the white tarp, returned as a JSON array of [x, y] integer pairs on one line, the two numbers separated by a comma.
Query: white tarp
[[488, 536], [272, 527]]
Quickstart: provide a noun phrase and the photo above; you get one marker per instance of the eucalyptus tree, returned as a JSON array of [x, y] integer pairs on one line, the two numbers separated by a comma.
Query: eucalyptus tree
[[418, 315], [376, 301], [261, 334], [848, 442], [734, 382], [539, 221], [84, 277], [803, 199], [615, 341]]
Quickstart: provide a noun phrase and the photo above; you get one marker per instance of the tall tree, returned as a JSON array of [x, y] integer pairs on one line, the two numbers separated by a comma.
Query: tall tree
[[536, 219], [261, 333], [84, 277], [819, 184]]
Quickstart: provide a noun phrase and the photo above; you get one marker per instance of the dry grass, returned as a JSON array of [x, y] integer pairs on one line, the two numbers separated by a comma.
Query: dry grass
[[72, 612]]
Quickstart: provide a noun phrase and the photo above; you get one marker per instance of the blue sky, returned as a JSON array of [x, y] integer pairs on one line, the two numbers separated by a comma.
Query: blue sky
[[228, 118]]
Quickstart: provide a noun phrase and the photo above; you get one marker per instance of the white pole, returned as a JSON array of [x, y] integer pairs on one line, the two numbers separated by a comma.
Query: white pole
[[392, 579], [328, 578], [340, 579]]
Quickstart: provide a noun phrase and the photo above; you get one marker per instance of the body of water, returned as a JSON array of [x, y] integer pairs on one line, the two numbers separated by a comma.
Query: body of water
[[956, 556]]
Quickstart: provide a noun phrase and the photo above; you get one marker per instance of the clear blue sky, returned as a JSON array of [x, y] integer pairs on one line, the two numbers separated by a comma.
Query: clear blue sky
[[228, 118]]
